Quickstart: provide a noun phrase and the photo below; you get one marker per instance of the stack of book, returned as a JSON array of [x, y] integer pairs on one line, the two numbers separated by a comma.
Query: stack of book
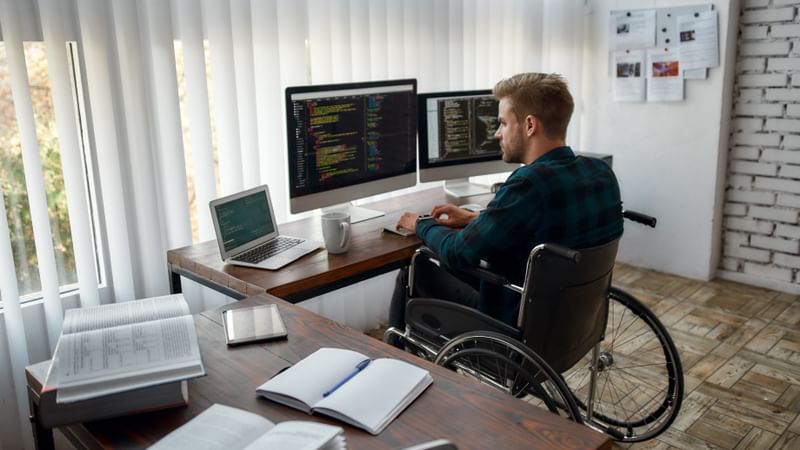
[[119, 359]]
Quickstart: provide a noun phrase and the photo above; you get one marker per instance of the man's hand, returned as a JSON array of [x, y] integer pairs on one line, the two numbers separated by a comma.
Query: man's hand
[[408, 221], [456, 217]]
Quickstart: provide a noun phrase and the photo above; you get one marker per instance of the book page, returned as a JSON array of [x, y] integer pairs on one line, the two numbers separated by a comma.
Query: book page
[[374, 397], [116, 314], [124, 357], [311, 376], [299, 435], [217, 428]]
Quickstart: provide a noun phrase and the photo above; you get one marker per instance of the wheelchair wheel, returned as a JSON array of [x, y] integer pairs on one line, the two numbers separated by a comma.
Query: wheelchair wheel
[[639, 385], [508, 365]]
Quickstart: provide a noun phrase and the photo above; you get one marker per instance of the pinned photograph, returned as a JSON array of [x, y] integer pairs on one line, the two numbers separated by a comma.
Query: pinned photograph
[[687, 36], [623, 28], [665, 69], [627, 70]]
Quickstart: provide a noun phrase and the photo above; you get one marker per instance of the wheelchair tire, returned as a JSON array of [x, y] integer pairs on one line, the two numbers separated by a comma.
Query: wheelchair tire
[[639, 386], [508, 365]]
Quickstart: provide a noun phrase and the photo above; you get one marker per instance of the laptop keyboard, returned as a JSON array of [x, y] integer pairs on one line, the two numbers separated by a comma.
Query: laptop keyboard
[[268, 249]]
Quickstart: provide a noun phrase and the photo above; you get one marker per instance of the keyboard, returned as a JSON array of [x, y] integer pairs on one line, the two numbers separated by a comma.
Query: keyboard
[[271, 248]]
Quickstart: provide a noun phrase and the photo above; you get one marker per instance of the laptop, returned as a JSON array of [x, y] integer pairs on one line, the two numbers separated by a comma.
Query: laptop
[[247, 234]]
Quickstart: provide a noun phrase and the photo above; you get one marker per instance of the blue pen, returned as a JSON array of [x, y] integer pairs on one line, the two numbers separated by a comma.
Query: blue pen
[[359, 367]]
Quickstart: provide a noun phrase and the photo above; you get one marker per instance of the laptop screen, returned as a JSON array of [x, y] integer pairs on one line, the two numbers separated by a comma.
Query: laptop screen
[[244, 219]]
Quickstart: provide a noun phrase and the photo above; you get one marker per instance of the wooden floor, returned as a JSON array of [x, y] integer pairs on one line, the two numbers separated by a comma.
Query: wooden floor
[[740, 348]]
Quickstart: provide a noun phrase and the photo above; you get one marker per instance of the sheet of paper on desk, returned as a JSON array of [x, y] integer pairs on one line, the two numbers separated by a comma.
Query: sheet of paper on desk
[[222, 427]]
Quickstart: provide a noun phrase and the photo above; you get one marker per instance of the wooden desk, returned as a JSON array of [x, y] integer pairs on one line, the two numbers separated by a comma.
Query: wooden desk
[[372, 252], [470, 414]]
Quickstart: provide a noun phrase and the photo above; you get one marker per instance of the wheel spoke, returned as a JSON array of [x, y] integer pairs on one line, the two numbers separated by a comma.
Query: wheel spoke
[[640, 384]]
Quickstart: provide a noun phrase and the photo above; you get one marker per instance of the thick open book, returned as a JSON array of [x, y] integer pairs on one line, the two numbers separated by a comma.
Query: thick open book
[[120, 347], [225, 428], [369, 399]]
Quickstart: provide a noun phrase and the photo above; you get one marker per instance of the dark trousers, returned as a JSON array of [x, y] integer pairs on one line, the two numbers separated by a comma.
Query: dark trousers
[[431, 281]]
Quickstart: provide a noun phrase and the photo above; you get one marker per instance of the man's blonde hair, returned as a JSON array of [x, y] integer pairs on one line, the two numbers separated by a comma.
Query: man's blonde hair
[[544, 95]]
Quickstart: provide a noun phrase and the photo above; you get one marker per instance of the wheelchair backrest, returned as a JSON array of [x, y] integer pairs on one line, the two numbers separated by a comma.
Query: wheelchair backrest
[[565, 303]]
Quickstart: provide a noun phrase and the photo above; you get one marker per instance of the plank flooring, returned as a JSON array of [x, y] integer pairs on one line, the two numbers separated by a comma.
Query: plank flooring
[[740, 349]]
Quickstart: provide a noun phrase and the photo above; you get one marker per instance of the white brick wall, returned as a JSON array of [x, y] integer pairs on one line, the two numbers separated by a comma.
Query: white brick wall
[[759, 109], [778, 31], [751, 95], [784, 156], [754, 168], [739, 181], [761, 229], [789, 231], [789, 200], [767, 15], [769, 80], [778, 63], [782, 95], [777, 184], [746, 153], [752, 197], [791, 141], [766, 48], [755, 32]]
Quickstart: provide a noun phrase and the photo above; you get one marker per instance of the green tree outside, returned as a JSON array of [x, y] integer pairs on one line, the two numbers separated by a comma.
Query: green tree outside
[[12, 175]]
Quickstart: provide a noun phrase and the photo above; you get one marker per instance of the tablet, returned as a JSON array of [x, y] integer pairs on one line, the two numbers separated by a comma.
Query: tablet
[[255, 323]]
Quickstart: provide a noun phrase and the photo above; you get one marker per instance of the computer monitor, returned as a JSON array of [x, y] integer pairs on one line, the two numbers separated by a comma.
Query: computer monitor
[[349, 141], [456, 140]]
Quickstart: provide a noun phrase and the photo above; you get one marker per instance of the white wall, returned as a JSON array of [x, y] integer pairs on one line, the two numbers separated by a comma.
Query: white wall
[[669, 157]]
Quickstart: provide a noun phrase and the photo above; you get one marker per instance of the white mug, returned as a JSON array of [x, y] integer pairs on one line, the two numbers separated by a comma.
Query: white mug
[[336, 231]]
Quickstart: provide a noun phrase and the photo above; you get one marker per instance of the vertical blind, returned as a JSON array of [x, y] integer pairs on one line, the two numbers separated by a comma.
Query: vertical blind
[[185, 103]]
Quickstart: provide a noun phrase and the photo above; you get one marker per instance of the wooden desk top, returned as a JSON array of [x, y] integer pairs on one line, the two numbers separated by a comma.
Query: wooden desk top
[[471, 415], [371, 250]]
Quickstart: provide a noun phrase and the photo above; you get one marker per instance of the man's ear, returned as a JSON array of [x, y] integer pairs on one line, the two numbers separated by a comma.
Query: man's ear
[[531, 125]]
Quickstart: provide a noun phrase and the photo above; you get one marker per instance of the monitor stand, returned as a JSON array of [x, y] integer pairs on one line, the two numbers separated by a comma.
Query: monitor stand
[[357, 213], [461, 187]]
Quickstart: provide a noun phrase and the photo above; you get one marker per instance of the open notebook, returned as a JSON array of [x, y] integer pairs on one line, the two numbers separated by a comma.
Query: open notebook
[[370, 399]]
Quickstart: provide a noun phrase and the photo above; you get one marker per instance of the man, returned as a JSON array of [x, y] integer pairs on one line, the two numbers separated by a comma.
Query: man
[[555, 197]]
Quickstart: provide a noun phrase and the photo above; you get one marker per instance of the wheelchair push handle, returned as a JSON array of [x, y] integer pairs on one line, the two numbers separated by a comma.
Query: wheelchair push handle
[[638, 217]]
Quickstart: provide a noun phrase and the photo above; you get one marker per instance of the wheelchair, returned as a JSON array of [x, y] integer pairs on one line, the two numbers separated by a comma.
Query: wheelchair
[[581, 348]]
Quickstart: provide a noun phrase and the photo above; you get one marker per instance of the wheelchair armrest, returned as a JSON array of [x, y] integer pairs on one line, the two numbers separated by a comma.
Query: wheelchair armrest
[[426, 251], [484, 272], [435, 318]]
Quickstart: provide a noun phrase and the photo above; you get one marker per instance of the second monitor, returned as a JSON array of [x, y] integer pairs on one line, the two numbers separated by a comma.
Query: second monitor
[[456, 140]]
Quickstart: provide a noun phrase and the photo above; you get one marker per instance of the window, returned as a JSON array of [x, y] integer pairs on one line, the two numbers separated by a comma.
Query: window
[[194, 209], [12, 175]]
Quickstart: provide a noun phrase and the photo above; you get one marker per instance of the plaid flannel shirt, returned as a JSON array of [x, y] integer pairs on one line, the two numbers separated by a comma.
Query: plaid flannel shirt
[[559, 198]]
